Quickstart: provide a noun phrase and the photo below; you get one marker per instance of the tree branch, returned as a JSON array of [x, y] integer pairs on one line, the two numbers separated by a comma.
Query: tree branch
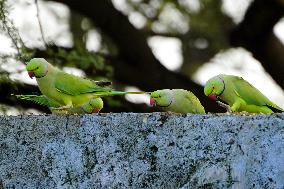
[[255, 33], [40, 25], [136, 64]]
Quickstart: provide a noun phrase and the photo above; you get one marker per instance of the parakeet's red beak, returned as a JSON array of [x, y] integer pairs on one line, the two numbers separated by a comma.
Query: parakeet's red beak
[[213, 97], [152, 102], [96, 110], [31, 74]]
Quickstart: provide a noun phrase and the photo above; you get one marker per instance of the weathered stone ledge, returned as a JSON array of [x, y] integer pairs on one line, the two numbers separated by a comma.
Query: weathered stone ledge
[[131, 150]]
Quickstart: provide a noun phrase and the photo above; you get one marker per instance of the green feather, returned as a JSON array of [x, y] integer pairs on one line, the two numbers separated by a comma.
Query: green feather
[[88, 107], [67, 89], [39, 99], [74, 85], [239, 94], [177, 100]]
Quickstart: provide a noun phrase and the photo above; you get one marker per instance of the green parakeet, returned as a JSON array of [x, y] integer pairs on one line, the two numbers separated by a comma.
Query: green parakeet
[[239, 94], [67, 89], [92, 106], [176, 100]]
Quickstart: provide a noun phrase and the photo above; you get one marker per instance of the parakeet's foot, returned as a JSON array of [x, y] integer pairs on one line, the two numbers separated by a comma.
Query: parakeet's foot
[[248, 113], [227, 107]]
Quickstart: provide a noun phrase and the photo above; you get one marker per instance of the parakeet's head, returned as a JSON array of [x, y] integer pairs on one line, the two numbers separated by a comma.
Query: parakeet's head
[[162, 98], [37, 67], [94, 106], [214, 87]]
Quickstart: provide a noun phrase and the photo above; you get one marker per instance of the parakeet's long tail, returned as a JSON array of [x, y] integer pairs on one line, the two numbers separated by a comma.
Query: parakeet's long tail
[[39, 99], [113, 93], [25, 97], [275, 109], [135, 92]]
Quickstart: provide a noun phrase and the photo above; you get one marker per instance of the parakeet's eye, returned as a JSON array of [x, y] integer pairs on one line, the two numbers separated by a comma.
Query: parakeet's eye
[[36, 68]]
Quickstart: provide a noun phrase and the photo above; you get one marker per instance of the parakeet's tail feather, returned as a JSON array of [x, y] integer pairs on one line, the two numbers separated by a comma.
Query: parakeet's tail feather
[[275, 109], [135, 92], [41, 100], [113, 93], [24, 97]]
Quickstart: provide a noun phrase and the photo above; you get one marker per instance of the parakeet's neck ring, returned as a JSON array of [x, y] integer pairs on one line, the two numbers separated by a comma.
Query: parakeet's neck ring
[[224, 86]]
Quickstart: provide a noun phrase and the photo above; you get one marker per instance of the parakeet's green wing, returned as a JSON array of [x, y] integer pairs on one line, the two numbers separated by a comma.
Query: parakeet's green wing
[[194, 102], [73, 85], [190, 97], [252, 95]]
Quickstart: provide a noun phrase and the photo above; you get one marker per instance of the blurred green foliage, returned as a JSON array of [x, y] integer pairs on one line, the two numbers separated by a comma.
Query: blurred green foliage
[[200, 25], [91, 63]]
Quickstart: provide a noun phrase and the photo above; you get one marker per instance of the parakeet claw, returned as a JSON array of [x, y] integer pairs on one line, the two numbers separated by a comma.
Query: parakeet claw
[[227, 107]]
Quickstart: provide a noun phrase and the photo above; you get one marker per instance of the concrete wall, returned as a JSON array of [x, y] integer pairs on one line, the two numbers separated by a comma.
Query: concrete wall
[[131, 150]]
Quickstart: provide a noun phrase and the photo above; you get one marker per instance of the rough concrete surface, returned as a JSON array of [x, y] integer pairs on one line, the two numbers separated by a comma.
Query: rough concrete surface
[[132, 150]]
